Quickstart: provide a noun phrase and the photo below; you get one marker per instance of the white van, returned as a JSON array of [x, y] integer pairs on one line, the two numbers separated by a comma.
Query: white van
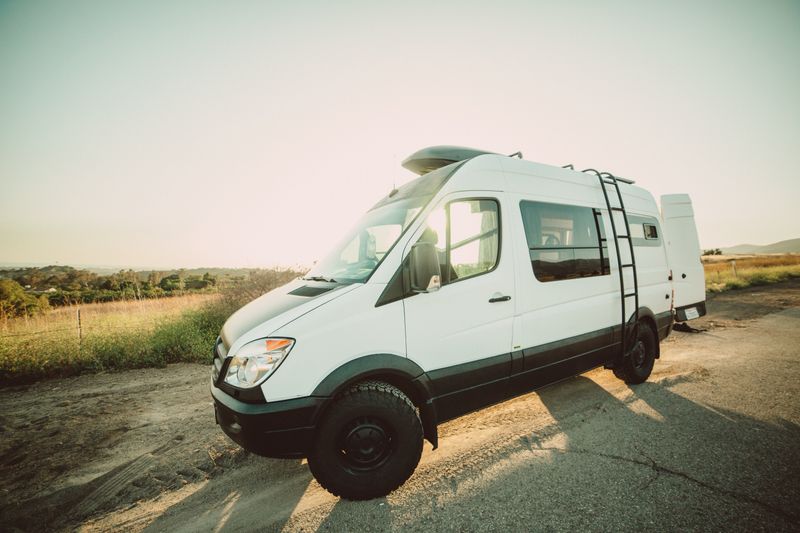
[[483, 279]]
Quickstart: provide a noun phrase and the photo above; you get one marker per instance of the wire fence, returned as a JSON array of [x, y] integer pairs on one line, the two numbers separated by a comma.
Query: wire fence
[[32, 333], [89, 318], [79, 331], [82, 324]]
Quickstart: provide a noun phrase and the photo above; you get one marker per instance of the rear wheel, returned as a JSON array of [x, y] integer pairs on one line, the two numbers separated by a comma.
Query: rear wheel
[[369, 442], [638, 365]]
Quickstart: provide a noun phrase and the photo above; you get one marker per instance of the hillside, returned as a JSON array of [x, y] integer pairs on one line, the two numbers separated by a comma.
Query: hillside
[[791, 246]]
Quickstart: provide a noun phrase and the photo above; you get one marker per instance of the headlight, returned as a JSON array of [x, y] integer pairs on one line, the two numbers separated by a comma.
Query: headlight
[[256, 360]]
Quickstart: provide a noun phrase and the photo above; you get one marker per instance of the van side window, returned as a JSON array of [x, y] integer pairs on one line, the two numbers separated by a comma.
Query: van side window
[[565, 241], [467, 237], [644, 230]]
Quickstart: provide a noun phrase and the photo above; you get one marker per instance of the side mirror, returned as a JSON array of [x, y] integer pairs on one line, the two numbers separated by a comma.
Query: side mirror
[[424, 268]]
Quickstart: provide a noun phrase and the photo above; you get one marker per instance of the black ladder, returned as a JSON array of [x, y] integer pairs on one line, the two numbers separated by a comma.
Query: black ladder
[[607, 179]]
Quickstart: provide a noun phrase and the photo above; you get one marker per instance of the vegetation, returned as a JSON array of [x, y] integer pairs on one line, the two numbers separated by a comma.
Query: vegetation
[[14, 301], [712, 251], [123, 334], [737, 272], [31, 291]]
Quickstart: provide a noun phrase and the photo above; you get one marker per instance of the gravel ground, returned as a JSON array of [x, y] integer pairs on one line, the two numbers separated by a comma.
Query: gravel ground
[[709, 443]]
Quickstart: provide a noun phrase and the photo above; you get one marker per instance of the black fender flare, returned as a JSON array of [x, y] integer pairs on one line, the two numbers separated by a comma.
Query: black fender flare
[[396, 370], [646, 315]]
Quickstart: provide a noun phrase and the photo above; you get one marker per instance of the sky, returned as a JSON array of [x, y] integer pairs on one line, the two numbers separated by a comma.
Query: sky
[[245, 134]]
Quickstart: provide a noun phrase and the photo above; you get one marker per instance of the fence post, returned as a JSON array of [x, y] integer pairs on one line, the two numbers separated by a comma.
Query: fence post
[[80, 330], [733, 265]]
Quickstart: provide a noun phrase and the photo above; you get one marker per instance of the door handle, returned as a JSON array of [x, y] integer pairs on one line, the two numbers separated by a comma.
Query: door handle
[[495, 299]]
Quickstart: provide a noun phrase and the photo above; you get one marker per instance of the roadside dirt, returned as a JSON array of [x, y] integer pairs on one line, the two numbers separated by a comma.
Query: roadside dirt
[[733, 308], [76, 447], [140, 448]]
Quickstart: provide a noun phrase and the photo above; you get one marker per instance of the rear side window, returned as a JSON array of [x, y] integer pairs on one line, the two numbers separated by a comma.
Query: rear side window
[[644, 230], [565, 241]]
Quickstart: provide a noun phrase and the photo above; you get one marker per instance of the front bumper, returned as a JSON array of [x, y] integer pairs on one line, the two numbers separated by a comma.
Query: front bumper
[[275, 429]]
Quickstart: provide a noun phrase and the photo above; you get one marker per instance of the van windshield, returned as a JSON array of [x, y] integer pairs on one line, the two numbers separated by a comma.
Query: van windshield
[[360, 252], [357, 256]]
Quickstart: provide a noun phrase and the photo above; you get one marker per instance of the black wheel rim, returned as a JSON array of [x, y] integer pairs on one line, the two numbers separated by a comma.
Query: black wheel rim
[[365, 444], [638, 354]]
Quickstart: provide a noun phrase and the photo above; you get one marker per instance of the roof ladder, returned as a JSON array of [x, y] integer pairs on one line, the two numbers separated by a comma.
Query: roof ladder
[[628, 328]]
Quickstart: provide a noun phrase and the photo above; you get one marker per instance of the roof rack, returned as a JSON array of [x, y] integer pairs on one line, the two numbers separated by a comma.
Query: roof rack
[[433, 157], [621, 180]]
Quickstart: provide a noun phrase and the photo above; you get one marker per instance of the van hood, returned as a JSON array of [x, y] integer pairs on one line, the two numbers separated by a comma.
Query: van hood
[[285, 303]]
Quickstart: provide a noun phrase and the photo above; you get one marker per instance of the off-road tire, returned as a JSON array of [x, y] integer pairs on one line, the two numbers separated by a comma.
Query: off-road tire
[[636, 367], [368, 443]]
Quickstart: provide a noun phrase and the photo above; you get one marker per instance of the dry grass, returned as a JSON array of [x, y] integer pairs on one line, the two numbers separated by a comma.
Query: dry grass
[[129, 314], [112, 335], [737, 272], [722, 262]]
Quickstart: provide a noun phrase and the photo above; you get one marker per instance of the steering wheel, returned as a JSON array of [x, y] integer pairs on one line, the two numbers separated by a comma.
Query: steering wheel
[[552, 240], [366, 263]]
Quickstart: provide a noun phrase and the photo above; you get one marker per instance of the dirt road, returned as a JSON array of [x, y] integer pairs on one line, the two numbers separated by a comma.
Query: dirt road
[[712, 441]]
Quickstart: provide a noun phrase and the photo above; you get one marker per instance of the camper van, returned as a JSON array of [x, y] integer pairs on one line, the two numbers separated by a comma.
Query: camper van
[[485, 278]]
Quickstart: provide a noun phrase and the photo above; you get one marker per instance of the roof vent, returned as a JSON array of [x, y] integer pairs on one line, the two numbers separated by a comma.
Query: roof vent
[[433, 157]]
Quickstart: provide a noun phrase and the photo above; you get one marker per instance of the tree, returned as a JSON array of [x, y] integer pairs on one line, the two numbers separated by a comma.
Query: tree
[[14, 301], [154, 278]]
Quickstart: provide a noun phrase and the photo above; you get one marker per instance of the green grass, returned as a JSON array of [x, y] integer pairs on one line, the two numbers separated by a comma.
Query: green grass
[[191, 337]]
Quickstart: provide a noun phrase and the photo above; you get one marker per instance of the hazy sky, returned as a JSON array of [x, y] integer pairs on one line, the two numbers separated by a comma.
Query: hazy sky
[[152, 133]]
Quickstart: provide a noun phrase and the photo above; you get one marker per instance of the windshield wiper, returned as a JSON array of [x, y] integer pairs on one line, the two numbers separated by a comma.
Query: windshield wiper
[[320, 278]]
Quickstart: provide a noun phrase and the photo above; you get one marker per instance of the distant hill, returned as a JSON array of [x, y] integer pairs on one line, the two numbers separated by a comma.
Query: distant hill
[[55, 275], [791, 246], [143, 272]]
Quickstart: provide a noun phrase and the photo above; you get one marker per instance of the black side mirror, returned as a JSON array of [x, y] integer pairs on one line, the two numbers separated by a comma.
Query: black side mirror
[[424, 268]]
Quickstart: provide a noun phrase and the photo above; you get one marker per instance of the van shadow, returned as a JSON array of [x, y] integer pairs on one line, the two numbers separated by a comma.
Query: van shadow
[[652, 459], [372, 515], [260, 494]]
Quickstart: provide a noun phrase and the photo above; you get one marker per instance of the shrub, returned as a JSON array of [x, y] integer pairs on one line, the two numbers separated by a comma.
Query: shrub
[[190, 337], [15, 302]]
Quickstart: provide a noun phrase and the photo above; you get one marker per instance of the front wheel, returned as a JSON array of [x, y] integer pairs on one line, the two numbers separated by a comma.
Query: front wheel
[[638, 365], [368, 444]]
